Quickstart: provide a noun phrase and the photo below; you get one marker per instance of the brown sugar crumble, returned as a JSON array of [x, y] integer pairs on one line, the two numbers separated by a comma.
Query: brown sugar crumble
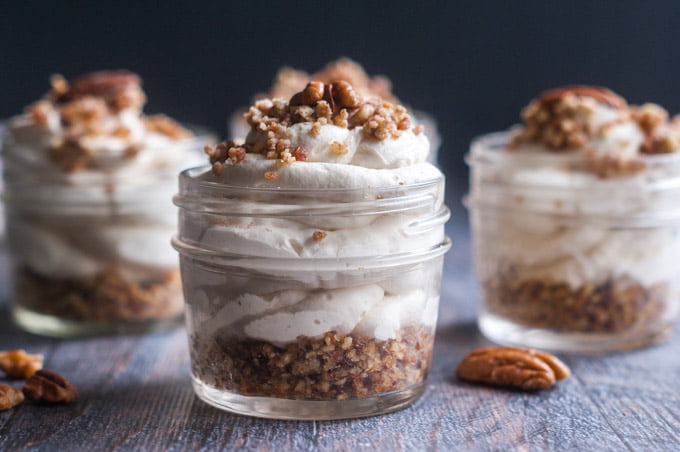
[[87, 106], [558, 119], [333, 366], [319, 103]]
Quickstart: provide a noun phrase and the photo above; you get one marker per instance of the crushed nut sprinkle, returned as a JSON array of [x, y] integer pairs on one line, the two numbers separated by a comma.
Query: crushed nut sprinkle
[[318, 236], [333, 366]]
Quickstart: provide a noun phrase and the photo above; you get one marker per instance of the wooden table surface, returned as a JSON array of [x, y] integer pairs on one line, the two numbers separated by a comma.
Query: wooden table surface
[[135, 394]]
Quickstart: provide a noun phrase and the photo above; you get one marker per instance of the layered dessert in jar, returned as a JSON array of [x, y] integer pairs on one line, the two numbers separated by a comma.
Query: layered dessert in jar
[[289, 81], [89, 181], [575, 218], [311, 259]]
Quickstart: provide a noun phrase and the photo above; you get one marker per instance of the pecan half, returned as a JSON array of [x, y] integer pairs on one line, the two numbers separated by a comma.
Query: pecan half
[[600, 94], [313, 93], [340, 94], [9, 397], [19, 364], [49, 386], [102, 83], [508, 366]]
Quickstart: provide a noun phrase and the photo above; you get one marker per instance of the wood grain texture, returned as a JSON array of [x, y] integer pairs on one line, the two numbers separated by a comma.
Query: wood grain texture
[[135, 394]]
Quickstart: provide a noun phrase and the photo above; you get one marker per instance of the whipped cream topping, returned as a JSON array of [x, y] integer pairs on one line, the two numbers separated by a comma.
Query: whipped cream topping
[[343, 163]]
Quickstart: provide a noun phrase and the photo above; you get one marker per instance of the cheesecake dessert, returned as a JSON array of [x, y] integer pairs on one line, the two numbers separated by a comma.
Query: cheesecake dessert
[[311, 255], [89, 179], [574, 222]]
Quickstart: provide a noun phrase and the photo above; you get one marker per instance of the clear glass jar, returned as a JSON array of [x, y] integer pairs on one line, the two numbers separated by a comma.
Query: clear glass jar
[[310, 304], [90, 251], [569, 261]]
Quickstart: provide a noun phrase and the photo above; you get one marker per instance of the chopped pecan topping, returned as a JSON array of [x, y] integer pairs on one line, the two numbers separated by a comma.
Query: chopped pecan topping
[[508, 366], [561, 119], [19, 364], [89, 106], [9, 397], [49, 386], [319, 236], [320, 104], [225, 153], [166, 126]]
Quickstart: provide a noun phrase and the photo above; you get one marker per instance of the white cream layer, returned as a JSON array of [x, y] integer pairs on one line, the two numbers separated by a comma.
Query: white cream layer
[[93, 239], [267, 309], [534, 232]]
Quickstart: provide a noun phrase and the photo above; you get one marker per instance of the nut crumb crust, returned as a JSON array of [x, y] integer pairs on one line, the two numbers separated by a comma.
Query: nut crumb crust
[[614, 306], [332, 367], [102, 298]]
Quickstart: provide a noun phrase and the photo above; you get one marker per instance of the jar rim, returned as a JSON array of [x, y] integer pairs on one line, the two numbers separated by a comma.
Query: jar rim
[[315, 264]]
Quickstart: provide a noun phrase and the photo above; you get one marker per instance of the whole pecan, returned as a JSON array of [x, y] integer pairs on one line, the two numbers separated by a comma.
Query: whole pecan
[[101, 83], [600, 94], [19, 364], [340, 94], [9, 397], [508, 366], [49, 386], [313, 93]]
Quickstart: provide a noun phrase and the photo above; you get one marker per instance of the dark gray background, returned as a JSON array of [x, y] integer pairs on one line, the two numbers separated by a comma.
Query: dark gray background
[[473, 64]]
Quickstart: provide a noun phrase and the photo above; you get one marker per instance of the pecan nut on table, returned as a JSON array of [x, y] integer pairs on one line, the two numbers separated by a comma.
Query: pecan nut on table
[[9, 397], [516, 367], [48, 386], [18, 364]]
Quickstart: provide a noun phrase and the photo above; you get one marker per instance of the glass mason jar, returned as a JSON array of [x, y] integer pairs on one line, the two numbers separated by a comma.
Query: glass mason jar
[[569, 261], [310, 304], [90, 251]]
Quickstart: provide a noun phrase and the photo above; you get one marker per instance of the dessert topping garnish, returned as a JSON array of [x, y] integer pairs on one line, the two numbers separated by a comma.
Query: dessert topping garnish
[[88, 106], [525, 369], [319, 103], [560, 119]]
